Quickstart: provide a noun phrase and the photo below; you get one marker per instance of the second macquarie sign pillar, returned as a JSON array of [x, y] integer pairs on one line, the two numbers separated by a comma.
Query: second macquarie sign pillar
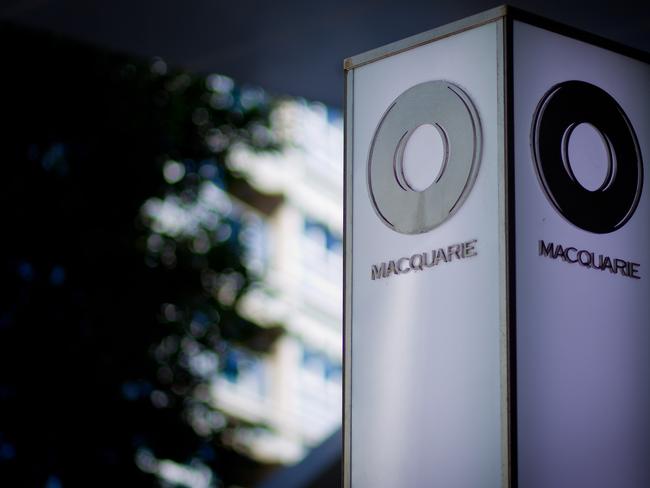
[[497, 298]]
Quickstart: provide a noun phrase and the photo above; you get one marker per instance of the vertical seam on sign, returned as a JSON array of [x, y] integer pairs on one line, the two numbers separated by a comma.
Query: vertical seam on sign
[[511, 262], [503, 253]]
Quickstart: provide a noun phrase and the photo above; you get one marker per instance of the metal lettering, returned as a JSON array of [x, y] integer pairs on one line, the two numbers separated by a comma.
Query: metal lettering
[[587, 259], [378, 271], [440, 255], [424, 260], [454, 250], [470, 249], [546, 250], [621, 265], [417, 265], [607, 264], [567, 257], [399, 266]]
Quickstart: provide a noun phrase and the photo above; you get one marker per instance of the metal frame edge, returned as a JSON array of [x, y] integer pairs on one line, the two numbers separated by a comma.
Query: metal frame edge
[[503, 252], [347, 280], [484, 18], [425, 37], [510, 256]]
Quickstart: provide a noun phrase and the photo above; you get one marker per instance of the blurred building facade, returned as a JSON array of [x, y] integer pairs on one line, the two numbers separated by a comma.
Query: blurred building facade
[[293, 210]]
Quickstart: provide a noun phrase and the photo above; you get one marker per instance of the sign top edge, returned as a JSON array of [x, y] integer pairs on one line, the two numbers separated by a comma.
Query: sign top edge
[[425, 37], [488, 16]]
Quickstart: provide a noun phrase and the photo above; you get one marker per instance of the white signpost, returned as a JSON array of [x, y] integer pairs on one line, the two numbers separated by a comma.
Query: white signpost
[[497, 257]]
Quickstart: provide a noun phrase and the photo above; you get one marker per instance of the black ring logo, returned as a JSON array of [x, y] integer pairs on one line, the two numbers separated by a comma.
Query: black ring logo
[[562, 108]]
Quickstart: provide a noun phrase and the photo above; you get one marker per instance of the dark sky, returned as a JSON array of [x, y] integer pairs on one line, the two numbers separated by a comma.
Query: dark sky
[[291, 46]]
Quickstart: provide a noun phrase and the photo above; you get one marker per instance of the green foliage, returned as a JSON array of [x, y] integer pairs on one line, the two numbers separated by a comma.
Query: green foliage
[[122, 265]]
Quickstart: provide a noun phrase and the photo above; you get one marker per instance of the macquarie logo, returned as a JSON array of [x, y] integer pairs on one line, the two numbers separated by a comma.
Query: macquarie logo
[[566, 106], [447, 108]]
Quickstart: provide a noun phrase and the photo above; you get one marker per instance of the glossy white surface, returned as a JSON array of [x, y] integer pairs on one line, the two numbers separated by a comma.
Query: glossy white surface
[[583, 334], [425, 385]]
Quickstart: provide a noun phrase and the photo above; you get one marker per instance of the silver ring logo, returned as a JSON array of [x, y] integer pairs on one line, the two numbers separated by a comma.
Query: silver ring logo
[[450, 110]]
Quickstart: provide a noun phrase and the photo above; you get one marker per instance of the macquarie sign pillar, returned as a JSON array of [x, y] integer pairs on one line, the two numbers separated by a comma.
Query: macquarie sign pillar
[[497, 259]]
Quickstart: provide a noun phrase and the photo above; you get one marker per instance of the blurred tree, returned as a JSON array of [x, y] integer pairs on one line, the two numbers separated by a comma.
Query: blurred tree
[[121, 267]]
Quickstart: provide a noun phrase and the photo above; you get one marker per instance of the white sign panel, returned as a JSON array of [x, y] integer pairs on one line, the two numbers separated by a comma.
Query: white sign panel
[[425, 312], [583, 263]]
